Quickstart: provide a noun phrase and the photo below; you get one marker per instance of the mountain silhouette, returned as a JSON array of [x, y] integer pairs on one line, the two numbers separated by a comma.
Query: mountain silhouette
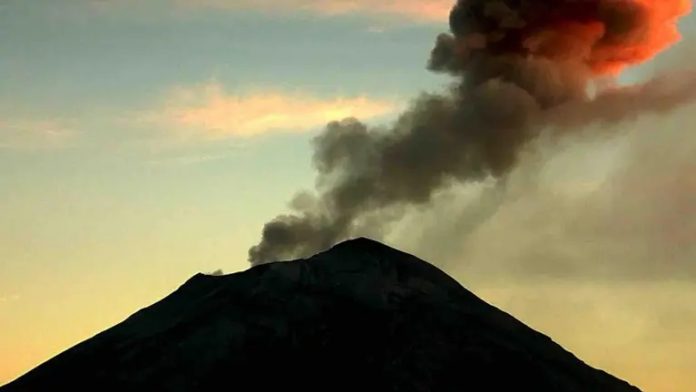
[[359, 317]]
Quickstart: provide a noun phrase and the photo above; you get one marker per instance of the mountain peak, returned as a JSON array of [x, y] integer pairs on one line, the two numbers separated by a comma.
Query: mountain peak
[[362, 243]]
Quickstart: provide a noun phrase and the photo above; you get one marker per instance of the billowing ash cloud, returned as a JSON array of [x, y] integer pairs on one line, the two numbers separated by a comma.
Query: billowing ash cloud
[[604, 35], [524, 66]]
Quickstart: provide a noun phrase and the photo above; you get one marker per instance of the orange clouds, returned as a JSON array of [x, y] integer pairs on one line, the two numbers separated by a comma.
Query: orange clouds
[[418, 10], [656, 29], [213, 111]]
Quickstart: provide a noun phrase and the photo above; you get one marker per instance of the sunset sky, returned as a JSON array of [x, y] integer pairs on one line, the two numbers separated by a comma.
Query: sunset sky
[[142, 142]]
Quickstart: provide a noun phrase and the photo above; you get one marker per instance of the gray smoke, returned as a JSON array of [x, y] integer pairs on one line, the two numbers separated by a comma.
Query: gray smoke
[[476, 131]]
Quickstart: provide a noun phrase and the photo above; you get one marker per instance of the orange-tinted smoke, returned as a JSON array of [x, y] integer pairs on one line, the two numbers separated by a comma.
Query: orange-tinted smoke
[[658, 31], [606, 35]]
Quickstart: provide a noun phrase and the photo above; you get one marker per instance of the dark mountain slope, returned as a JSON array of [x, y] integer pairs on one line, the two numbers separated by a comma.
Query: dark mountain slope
[[359, 317]]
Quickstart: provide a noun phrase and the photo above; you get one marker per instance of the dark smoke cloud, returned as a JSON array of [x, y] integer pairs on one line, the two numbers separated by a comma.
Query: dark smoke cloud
[[507, 95], [604, 35]]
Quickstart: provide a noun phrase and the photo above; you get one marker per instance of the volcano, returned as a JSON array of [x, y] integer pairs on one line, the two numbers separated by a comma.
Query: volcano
[[359, 317]]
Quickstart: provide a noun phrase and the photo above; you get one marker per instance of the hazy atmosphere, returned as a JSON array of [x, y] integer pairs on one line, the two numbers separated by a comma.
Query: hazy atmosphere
[[142, 142]]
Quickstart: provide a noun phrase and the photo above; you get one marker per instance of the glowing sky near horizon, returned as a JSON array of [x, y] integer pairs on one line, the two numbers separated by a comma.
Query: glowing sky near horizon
[[143, 142]]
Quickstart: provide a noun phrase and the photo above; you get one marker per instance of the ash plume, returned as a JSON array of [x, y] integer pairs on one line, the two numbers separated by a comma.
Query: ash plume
[[523, 67]]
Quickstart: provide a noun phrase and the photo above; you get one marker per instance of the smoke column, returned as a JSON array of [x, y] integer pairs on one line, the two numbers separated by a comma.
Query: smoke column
[[523, 66]]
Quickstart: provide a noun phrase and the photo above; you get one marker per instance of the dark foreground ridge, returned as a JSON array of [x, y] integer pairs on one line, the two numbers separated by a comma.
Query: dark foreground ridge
[[359, 317]]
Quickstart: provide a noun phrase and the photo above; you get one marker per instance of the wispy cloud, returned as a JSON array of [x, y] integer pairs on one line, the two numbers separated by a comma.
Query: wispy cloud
[[414, 10], [210, 110], [28, 134]]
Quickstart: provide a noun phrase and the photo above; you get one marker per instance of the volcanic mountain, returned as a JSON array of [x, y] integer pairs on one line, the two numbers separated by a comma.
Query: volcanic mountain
[[358, 317]]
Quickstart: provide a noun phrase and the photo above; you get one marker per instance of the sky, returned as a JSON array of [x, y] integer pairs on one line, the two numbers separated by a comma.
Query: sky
[[144, 142]]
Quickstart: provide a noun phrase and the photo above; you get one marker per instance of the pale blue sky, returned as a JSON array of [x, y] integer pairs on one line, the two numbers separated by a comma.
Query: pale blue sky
[[69, 55]]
